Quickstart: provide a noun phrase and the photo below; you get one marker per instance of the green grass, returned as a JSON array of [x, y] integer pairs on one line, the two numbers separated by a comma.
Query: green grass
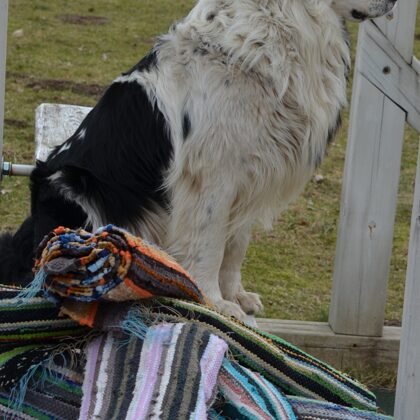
[[291, 267]]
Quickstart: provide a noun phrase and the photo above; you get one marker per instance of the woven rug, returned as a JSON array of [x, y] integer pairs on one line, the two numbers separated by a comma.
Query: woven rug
[[69, 345], [172, 374]]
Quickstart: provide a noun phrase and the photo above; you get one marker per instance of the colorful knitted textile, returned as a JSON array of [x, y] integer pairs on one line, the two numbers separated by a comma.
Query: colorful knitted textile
[[159, 357], [29, 332], [130, 358], [292, 370], [173, 374], [57, 396], [250, 395], [111, 264], [307, 409]]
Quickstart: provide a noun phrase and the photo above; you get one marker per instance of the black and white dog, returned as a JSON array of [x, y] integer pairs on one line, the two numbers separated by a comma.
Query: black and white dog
[[219, 127]]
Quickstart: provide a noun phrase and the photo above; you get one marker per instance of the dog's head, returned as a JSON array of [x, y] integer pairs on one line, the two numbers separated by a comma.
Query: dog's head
[[362, 9]]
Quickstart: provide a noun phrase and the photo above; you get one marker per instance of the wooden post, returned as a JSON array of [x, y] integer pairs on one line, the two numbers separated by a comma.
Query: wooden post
[[386, 92], [407, 404], [368, 206], [3, 48]]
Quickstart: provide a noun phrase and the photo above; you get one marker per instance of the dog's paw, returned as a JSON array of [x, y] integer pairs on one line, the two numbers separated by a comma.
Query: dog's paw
[[249, 302], [230, 309]]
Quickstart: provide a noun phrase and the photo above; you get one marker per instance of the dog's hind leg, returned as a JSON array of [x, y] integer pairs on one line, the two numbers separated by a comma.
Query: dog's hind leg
[[197, 236], [230, 274], [16, 255]]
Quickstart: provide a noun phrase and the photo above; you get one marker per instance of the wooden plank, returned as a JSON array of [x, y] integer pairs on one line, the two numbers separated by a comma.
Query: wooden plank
[[3, 49], [341, 351], [400, 31], [408, 384], [54, 124], [380, 63], [416, 65], [369, 195]]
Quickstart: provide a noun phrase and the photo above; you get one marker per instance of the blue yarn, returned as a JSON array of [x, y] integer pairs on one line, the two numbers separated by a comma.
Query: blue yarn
[[34, 288], [93, 267], [95, 278], [39, 375], [70, 237], [134, 324], [107, 228], [18, 392]]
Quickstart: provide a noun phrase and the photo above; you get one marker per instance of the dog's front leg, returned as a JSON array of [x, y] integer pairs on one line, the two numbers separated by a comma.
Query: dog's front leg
[[230, 274], [197, 235]]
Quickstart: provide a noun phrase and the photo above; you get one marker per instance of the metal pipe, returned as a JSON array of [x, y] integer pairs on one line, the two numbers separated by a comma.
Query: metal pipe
[[17, 170], [3, 47], [6, 168]]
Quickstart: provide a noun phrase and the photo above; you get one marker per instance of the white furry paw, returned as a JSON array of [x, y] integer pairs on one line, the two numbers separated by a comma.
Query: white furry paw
[[249, 302], [230, 309]]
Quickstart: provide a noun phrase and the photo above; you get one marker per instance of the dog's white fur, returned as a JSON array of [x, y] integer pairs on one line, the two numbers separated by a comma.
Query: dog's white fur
[[263, 82]]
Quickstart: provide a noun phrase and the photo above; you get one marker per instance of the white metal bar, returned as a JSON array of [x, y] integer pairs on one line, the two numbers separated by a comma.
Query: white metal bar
[[3, 49], [22, 170], [407, 405], [17, 170]]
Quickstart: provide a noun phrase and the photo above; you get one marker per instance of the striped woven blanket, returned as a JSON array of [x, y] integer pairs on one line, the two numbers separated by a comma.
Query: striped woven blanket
[[168, 356]]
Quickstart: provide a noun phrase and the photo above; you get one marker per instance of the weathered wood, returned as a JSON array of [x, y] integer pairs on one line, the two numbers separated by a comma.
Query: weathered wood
[[341, 351], [54, 124], [400, 31], [368, 206], [416, 65], [386, 92], [408, 386], [3, 49], [380, 63]]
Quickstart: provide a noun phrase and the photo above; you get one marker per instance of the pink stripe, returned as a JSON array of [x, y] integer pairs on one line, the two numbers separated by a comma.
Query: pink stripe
[[154, 342], [211, 362], [210, 366], [92, 358]]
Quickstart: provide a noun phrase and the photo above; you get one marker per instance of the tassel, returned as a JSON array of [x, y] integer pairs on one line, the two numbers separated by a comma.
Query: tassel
[[134, 324], [34, 288]]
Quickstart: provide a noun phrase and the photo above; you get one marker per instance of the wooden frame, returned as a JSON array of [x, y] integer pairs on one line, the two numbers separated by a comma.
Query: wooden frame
[[386, 93]]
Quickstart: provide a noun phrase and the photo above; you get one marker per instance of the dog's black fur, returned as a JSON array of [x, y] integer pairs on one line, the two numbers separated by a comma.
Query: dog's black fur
[[117, 163]]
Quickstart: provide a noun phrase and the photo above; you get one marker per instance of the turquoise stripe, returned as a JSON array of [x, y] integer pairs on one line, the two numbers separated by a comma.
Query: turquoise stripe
[[251, 390], [282, 399]]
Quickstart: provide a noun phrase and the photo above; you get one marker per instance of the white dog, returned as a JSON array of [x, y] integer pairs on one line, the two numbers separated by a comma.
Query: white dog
[[219, 127]]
